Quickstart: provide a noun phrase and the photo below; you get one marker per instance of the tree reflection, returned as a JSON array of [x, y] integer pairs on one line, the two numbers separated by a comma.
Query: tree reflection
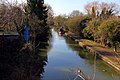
[[90, 57], [21, 65], [72, 44]]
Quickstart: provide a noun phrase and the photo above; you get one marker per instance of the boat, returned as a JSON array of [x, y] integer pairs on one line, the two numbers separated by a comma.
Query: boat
[[60, 31]]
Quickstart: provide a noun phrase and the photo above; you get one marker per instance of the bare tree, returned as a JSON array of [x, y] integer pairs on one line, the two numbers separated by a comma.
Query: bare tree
[[113, 8], [10, 12], [92, 8], [102, 8], [88, 8]]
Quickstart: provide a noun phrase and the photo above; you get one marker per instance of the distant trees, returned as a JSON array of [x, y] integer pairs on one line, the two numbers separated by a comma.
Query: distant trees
[[75, 13], [60, 20], [69, 22], [100, 24], [73, 24]]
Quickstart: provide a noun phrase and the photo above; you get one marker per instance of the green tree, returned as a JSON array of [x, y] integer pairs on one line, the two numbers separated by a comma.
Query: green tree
[[73, 24], [36, 14], [91, 30], [38, 8], [60, 20], [110, 31], [83, 24]]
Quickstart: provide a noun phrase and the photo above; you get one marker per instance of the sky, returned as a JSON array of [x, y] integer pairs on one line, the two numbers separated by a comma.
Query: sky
[[67, 6]]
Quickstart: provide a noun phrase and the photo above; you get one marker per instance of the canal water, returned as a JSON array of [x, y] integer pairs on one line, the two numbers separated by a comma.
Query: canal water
[[58, 59], [65, 58]]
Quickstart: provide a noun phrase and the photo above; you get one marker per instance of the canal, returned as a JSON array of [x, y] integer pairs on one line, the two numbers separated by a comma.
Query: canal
[[65, 58], [58, 59]]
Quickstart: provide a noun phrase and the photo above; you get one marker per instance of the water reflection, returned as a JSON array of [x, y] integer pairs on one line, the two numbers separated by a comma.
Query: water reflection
[[101, 67], [22, 65]]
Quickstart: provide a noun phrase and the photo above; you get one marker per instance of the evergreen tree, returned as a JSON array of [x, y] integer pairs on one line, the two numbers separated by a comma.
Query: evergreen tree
[[37, 7], [37, 13]]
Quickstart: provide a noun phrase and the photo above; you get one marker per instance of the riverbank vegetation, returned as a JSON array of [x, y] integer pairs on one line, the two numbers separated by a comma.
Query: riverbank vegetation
[[18, 62], [14, 17], [101, 23]]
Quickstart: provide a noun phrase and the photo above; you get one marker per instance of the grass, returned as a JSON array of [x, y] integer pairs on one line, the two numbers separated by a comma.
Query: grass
[[92, 42], [104, 51]]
